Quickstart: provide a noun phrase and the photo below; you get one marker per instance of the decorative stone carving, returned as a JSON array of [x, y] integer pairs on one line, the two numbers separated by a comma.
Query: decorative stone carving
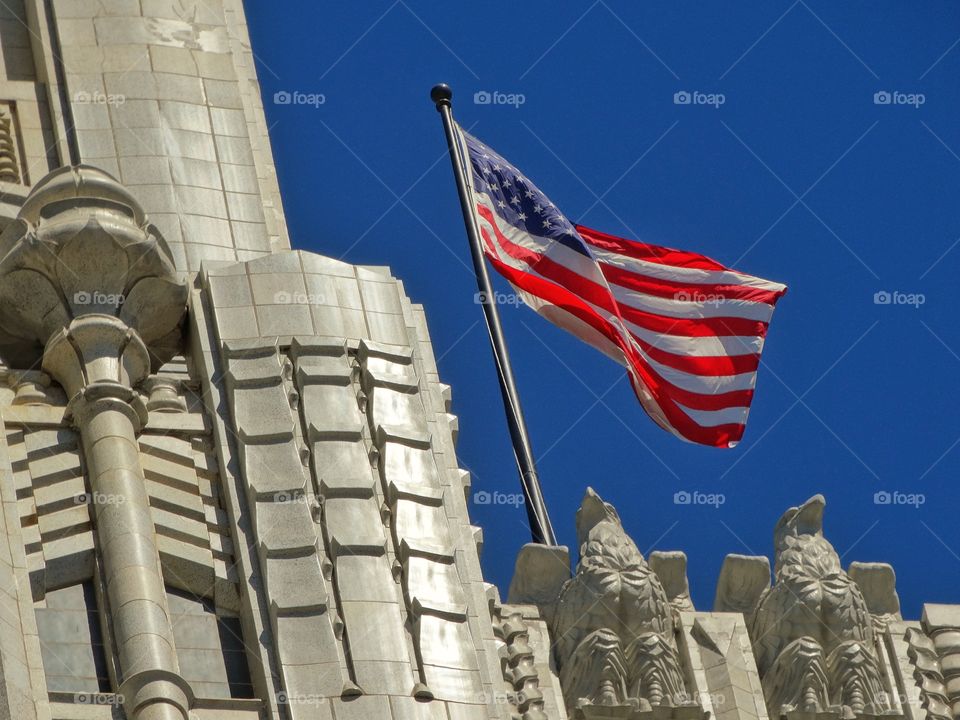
[[812, 632], [941, 623], [615, 629], [519, 663], [88, 287], [10, 165], [928, 674], [82, 247]]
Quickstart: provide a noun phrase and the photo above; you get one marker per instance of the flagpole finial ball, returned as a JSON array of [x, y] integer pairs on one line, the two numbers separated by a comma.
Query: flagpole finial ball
[[441, 94]]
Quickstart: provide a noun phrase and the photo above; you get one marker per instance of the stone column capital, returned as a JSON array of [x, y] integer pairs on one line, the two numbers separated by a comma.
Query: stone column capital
[[82, 261]]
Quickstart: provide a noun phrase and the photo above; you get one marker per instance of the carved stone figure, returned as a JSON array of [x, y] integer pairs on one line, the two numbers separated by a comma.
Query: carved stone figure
[[812, 631], [614, 624]]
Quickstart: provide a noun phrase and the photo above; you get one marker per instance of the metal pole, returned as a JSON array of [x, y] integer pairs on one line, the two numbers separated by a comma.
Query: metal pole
[[540, 527]]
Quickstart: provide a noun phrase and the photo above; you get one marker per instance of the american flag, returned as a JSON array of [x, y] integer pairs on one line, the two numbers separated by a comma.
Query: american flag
[[689, 330]]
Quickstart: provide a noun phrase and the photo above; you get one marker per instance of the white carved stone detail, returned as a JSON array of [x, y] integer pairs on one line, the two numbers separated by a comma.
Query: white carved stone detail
[[813, 634]]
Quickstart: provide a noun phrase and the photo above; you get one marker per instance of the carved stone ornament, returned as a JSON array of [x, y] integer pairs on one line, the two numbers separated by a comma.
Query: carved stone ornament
[[613, 624], [82, 246], [812, 631]]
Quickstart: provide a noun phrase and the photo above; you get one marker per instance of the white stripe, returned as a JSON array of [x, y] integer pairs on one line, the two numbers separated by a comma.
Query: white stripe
[[702, 384], [682, 274], [706, 346], [712, 418]]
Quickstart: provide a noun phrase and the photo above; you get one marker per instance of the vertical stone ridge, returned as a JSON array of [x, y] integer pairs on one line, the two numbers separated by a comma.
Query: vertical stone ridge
[[519, 664], [426, 547], [351, 508], [301, 610], [928, 674]]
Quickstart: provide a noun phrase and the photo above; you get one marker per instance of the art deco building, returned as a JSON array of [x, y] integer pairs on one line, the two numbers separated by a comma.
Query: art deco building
[[227, 468]]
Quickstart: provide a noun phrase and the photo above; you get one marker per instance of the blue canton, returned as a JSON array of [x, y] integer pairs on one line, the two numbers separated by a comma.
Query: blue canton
[[519, 201]]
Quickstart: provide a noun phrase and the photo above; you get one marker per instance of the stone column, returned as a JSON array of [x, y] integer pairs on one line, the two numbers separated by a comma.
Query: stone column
[[88, 285], [98, 360]]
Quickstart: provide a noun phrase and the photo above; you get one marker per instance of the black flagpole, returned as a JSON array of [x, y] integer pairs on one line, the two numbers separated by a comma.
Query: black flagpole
[[540, 527]]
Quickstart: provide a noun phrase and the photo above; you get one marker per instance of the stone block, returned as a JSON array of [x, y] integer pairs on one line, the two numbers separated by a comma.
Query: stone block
[[272, 468], [284, 320], [285, 526], [231, 291], [457, 686], [236, 178], [185, 116], [408, 708], [296, 584], [375, 631], [307, 639], [366, 578], [362, 708], [446, 643], [940, 617], [262, 413]]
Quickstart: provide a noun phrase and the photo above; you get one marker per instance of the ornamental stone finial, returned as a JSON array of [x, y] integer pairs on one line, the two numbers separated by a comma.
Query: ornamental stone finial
[[81, 246]]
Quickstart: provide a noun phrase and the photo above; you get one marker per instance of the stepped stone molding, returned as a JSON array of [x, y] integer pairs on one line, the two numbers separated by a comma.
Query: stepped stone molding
[[10, 163], [941, 624]]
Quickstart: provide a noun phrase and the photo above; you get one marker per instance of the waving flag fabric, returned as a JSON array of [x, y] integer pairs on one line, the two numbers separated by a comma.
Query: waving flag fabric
[[689, 330]]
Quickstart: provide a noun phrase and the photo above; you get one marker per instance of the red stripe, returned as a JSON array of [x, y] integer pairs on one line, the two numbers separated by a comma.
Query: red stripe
[[664, 393], [650, 253], [672, 290], [706, 365], [599, 295]]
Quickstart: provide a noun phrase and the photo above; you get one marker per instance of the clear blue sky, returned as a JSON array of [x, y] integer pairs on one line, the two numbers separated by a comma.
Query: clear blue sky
[[798, 176]]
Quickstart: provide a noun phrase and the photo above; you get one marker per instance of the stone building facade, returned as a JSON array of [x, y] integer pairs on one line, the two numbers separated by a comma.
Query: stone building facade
[[228, 476]]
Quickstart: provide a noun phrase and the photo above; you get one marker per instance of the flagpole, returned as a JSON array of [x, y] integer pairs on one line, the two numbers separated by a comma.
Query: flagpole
[[540, 527]]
